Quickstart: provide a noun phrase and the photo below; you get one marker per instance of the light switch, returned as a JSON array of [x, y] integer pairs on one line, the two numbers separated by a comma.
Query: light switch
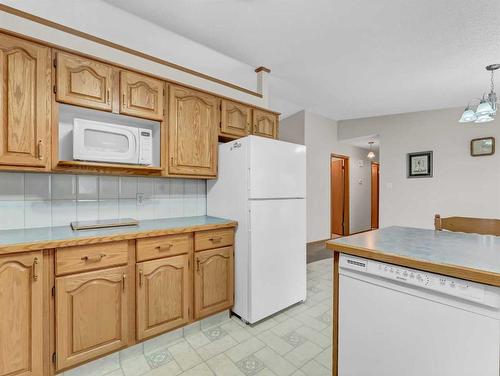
[[389, 185], [361, 163]]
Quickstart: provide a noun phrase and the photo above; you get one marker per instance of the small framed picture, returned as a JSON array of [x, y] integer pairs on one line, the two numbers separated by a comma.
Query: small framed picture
[[419, 164], [482, 146]]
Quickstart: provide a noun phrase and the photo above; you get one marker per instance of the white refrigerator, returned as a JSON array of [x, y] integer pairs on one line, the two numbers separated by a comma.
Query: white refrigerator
[[262, 184]]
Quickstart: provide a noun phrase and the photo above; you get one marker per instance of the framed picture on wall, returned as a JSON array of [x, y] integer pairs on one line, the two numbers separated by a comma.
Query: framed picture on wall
[[482, 146], [419, 165]]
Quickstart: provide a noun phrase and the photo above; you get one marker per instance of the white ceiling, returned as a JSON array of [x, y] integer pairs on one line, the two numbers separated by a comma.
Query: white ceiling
[[352, 58]]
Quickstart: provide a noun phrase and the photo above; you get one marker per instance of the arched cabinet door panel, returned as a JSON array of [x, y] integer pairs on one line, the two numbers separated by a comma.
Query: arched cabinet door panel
[[21, 313], [24, 103], [84, 82], [141, 95], [163, 295], [265, 124], [192, 132], [213, 281], [236, 119], [91, 315]]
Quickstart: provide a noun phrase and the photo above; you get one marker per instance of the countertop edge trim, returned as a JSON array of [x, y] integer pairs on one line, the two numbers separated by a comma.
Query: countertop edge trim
[[51, 244], [455, 271]]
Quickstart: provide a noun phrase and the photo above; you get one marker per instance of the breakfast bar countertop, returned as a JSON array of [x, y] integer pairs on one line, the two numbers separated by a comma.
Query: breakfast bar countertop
[[468, 256], [18, 240]]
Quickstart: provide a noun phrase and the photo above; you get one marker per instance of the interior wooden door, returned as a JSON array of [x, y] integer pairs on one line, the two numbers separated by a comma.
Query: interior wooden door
[[84, 82], [141, 95], [21, 315], [213, 281], [235, 119], [337, 196], [193, 132], [265, 124], [24, 103], [91, 315], [375, 187], [163, 295]]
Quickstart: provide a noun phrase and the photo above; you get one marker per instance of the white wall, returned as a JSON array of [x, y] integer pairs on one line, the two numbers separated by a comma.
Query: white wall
[[462, 185], [101, 19], [292, 129], [320, 138]]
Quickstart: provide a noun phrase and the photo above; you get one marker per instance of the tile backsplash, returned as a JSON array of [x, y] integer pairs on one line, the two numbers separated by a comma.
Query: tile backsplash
[[40, 200]]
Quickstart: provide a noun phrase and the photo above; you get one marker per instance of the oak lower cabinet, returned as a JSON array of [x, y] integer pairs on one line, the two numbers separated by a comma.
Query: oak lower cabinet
[[192, 132], [91, 315], [163, 295], [213, 281], [265, 124], [24, 103], [21, 314]]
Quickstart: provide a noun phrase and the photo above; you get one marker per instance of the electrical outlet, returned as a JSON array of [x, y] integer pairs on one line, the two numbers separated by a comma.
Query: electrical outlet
[[140, 198]]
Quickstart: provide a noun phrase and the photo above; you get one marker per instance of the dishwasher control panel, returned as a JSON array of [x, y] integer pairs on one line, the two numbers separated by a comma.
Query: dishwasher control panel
[[444, 284]]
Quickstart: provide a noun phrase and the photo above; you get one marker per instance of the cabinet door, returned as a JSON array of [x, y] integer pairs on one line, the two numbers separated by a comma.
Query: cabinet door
[[193, 132], [141, 96], [91, 315], [24, 103], [213, 281], [163, 295], [265, 124], [235, 119], [84, 82], [21, 306]]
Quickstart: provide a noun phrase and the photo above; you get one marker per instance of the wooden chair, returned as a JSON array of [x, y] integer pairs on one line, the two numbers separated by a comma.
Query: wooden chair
[[481, 226]]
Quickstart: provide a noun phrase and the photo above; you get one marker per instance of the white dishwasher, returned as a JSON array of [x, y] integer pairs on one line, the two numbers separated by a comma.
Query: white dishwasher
[[396, 321]]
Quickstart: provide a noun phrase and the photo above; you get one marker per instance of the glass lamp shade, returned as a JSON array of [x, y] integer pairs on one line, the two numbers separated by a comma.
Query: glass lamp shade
[[370, 155], [468, 116], [484, 118], [484, 108]]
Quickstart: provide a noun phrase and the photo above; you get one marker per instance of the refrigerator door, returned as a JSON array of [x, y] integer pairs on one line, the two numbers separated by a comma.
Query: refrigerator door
[[277, 256], [277, 169]]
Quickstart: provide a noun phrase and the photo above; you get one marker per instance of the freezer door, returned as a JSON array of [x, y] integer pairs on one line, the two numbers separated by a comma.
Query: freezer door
[[277, 256], [277, 169]]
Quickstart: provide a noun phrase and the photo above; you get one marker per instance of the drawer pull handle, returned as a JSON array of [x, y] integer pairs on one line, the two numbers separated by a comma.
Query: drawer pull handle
[[123, 281], [39, 150], [216, 240], [107, 96], [140, 277], [35, 269], [164, 248], [198, 266], [93, 258]]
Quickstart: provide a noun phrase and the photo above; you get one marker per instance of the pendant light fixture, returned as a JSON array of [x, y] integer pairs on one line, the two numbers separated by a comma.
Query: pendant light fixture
[[370, 154], [487, 107]]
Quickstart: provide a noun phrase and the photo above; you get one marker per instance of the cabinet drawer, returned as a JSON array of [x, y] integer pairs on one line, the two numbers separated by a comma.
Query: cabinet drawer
[[213, 239], [163, 246], [90, 257]]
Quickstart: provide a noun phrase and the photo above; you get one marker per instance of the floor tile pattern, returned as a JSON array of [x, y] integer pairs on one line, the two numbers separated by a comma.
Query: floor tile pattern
[[294, 342]]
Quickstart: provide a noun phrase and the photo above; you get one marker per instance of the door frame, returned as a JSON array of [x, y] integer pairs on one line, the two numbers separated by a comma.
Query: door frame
[[378, 196], [345, 226]]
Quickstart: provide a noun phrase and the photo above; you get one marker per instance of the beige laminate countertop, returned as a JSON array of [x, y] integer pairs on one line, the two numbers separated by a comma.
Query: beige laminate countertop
[[20, 240]]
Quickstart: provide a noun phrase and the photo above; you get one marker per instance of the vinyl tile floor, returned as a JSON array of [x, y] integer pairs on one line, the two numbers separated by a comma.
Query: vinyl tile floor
[[296, 342]]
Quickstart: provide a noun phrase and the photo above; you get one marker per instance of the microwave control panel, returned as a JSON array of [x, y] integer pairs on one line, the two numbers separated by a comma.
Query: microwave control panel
[[145, 147]]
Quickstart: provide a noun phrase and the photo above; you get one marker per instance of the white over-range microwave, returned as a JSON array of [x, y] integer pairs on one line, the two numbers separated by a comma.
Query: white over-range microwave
[[103, 142]]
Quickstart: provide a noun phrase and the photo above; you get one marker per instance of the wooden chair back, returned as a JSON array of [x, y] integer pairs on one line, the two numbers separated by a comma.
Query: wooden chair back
[[481, 226]]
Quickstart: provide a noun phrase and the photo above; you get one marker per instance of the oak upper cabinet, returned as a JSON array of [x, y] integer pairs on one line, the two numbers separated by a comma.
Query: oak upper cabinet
[[24, 103], [91, 315], [265, 124], [21, 314], [163, 295], [213, 281], [141, 95], [193, 132], [84, 82], [235, 120]]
